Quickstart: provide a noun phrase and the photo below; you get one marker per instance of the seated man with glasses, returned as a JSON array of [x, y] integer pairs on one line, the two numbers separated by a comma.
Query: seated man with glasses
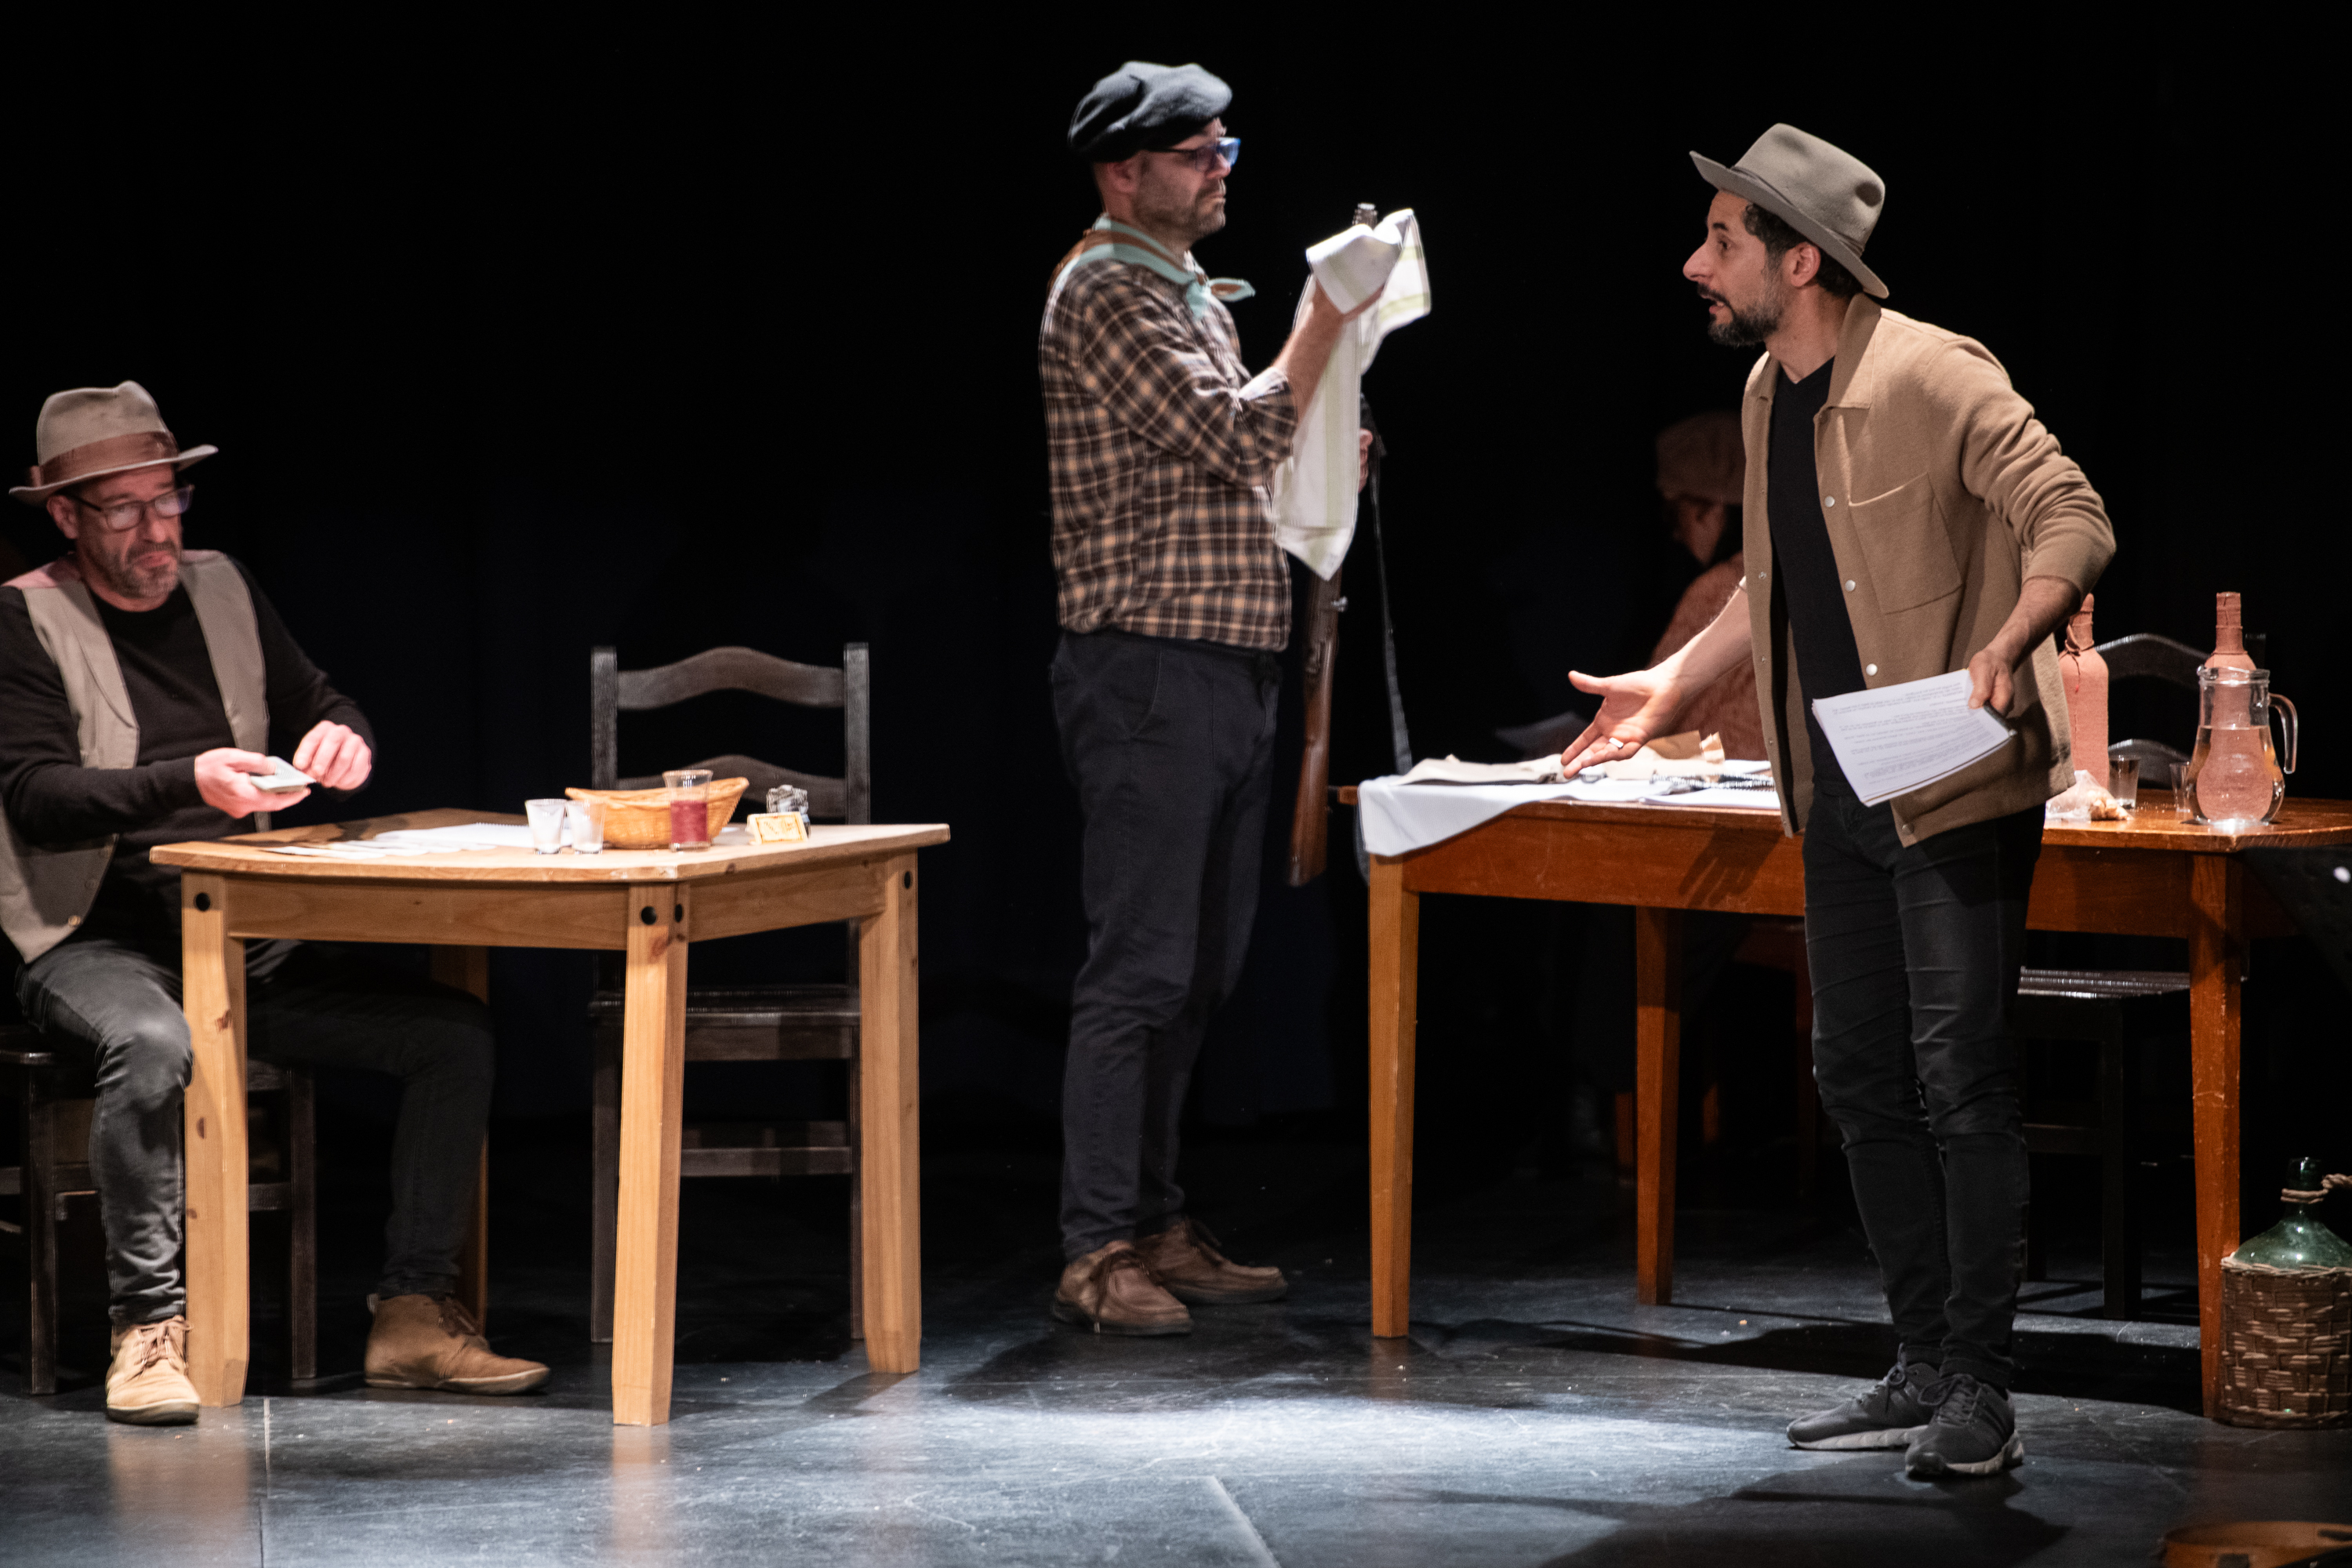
[[141, 686]]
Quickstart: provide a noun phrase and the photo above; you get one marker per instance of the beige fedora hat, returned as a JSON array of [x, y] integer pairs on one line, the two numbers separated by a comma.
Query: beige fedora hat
[[1825, 194], [93, 431]]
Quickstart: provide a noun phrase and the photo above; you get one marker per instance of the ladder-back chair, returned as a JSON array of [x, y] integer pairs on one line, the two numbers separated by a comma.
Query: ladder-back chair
[[737, 1024]]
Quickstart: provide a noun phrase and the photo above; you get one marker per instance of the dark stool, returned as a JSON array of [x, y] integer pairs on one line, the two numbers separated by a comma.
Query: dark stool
[[53, 1165], [2112, 1010]]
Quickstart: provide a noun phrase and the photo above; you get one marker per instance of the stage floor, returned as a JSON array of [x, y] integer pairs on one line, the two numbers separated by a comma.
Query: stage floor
[[1537, 1416]]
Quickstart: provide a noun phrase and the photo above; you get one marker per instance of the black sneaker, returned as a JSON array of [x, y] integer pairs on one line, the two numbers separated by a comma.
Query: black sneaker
[[1887, 1415], [1974, 1432]]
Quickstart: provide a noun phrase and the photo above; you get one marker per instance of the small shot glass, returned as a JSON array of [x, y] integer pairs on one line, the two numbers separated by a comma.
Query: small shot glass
[[585, 819], [2184, 801], [2123, 782], [546, 817]]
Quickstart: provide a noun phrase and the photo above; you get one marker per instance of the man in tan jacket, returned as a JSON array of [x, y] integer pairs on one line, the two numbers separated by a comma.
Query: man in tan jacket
[[1906, 516]]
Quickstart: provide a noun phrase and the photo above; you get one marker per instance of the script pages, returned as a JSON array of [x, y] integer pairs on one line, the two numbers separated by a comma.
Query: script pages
[[1900, 738]]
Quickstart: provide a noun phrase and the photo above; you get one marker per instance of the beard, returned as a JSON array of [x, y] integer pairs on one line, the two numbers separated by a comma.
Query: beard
[[141, 571], [1747, 329], [1164, 209]]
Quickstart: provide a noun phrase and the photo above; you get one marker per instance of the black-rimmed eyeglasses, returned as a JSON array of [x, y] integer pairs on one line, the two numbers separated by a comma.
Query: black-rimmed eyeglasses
[[1205, 156], [121, 516]]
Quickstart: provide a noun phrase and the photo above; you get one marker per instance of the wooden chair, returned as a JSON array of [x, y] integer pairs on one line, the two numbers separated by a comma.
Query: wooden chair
[[2144, 656], [53, 1167], [737, 1024]]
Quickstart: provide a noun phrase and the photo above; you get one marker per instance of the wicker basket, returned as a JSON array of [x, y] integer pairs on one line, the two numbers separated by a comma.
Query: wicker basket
[[639, 818], [2287, 1345]]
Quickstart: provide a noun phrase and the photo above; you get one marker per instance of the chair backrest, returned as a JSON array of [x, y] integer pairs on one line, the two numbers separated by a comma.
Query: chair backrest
[[2147, 656], [612, 691]]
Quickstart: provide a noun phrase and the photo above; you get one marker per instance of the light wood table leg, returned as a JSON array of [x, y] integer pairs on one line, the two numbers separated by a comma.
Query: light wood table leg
[[468, 969], [653, 1082], [212, 992], [1395, 1016], [890, 1164], [1657, 1085], [2216, 958]]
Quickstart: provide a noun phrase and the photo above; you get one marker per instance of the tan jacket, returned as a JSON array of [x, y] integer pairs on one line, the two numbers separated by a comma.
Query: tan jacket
[[45, 888], [1942, 493]]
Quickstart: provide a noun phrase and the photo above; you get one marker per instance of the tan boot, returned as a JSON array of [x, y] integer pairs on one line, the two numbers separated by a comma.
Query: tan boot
[[1112, 1290], [429, 1341], [148, 1384], [1186, 1259]]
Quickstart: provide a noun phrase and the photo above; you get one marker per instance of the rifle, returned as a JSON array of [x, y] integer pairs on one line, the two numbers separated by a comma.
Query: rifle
[[1310, 817]]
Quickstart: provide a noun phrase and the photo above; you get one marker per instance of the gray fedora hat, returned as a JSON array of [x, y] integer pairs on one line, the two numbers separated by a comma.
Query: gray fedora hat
[[94, 431], [1825, 194]]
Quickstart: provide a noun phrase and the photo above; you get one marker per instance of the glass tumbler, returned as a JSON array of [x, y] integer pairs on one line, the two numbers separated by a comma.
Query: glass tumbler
[[586, 819], [2184, 805], [689, 807], [2123, 782], [546, 818]]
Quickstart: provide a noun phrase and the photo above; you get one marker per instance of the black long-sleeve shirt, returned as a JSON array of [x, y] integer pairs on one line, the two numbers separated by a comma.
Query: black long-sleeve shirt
[[52, 799]]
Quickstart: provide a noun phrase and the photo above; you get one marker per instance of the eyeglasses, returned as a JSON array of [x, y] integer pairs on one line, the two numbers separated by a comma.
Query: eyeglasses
[[1204, 157], [120, 517]]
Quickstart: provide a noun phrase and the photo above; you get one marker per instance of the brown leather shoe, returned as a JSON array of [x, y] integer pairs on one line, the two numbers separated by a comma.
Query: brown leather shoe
[[1112, 1290], [147, 1385], [429, 1341], [1186, 1259]]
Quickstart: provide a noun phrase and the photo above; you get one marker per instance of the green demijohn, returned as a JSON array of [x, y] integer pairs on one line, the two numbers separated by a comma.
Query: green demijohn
[[2301, 1239]]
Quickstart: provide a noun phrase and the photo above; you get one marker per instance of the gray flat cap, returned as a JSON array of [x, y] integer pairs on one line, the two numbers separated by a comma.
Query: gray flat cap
[[1142, 105], [1825, 194]]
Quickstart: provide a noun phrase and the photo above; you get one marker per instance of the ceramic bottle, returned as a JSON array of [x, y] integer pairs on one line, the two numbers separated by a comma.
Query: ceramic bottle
[[2086, 676], [2228, 634]]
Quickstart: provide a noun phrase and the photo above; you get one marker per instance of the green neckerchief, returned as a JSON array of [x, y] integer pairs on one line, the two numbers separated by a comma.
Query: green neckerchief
[[1146, 251]]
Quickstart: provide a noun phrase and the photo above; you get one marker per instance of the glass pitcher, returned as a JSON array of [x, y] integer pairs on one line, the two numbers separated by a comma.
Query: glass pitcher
[[2234, 775]]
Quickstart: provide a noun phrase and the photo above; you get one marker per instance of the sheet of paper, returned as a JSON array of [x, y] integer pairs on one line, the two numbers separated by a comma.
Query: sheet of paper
[[463, 836], [1453, 770], [1897, 738], [1738, 799]]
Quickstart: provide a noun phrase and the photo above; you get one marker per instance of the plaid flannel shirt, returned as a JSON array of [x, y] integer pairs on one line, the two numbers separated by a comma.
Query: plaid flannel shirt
[[1160, 446]]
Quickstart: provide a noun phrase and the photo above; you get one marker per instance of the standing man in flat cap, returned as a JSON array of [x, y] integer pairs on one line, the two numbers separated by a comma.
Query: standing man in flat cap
[[140, 685], [1907, 516], [1175, 603]]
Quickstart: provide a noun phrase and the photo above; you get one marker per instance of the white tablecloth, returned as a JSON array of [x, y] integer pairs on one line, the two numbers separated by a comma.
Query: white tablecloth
[[1398, 819]]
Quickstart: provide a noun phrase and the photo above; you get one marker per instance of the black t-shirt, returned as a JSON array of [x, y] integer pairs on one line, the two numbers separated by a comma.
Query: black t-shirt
[[1828, 664], [167, 669]]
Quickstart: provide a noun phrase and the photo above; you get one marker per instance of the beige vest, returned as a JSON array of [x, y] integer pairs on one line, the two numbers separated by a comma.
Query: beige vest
[[45, 891]]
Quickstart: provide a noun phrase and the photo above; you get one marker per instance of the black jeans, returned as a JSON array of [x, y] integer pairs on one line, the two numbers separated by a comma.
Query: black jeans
[[1171, 744], [1915, 951], [117, 1007]]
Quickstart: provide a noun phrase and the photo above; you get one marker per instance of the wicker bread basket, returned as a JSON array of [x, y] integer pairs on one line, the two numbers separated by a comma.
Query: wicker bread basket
[[2287, 1345], [639, 818]]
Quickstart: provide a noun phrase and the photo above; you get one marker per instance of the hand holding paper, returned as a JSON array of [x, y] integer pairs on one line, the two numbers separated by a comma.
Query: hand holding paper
[[1900, 738]]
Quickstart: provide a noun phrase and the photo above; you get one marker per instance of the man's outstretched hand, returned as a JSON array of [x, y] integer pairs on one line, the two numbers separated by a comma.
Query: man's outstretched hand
[[1634, 709], [334, 755], [224, 778]]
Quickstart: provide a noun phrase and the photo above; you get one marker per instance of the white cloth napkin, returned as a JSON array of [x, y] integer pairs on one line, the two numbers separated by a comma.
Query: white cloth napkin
[[1314, 491]]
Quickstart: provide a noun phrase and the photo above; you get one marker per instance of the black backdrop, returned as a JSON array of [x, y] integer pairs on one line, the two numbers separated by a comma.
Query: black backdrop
[[669, 337]]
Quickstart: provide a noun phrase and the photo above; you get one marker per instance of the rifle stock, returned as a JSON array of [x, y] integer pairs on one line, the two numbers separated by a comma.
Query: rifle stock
[[1310, 815]]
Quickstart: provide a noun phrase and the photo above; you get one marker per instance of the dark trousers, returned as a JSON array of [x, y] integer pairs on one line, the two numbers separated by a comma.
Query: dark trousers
[[1914, 952], [1171, 744], [117, 1007]]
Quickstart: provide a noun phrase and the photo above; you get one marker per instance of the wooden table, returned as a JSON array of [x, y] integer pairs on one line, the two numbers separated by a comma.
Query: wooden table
[[2152, 876], [648, 904]]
